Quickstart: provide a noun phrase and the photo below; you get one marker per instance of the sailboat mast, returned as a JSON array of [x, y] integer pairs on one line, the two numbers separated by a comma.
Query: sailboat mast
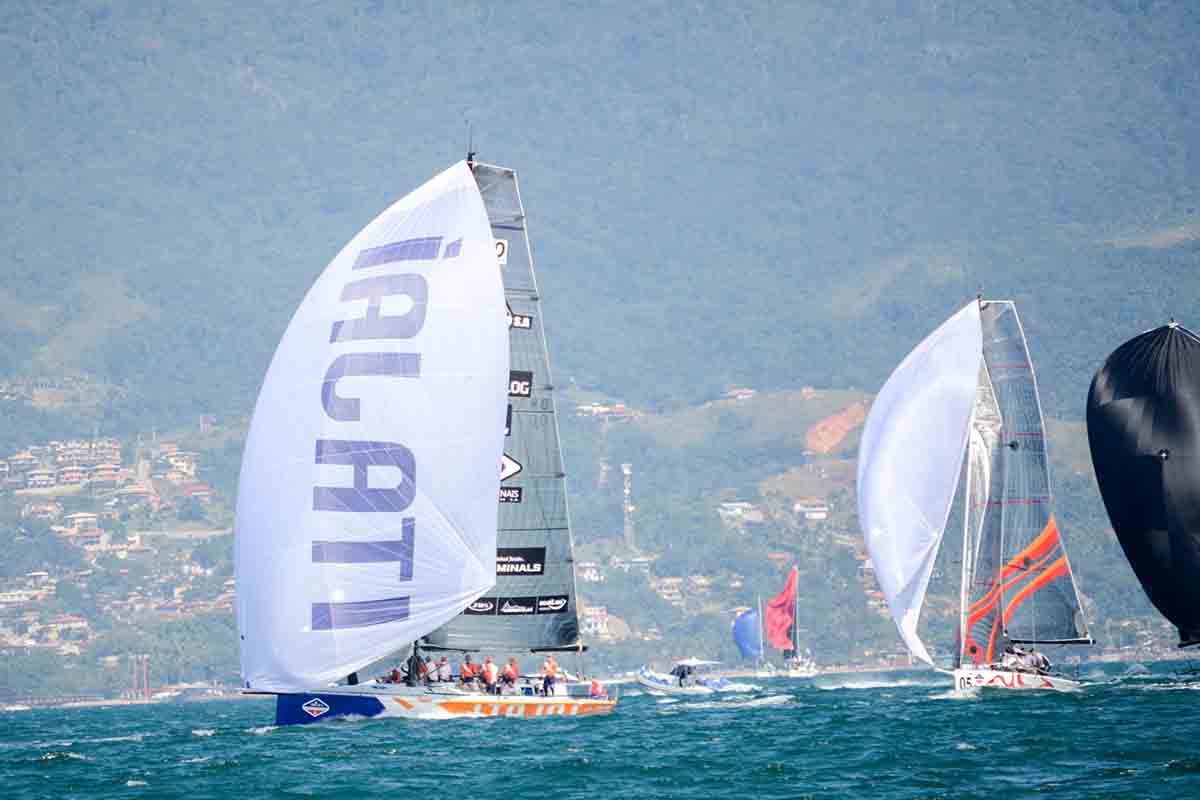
[[796, 622], [964, 591], [964, 587]]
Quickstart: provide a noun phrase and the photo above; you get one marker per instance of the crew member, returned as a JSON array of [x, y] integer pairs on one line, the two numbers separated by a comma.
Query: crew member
[[549, 673], [597, 691], [509, 675], [466, 671], [443, 670], [491, 675]]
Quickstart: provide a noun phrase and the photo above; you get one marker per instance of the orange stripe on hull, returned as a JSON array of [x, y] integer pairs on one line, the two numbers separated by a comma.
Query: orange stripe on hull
[[510, 708]]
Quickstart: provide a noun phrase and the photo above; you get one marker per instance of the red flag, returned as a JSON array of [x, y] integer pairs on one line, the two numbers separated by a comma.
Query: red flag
[[781, 615]]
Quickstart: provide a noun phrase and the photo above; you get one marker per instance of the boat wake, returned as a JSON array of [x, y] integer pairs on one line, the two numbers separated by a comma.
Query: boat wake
[[835, 682]]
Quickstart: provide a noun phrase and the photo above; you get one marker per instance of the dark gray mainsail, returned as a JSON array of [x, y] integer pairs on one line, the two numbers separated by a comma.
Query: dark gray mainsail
[[532, 606], [1018, 584]]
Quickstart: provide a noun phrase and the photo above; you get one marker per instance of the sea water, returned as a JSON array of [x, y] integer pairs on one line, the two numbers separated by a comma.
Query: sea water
[[1131, 733]]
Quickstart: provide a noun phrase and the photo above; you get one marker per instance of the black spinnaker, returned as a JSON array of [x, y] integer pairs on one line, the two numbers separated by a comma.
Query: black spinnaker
[[1143, 420]]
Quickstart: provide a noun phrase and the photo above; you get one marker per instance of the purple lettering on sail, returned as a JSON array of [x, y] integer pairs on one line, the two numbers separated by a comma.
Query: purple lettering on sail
[[375, 325], [347, 409], [362, 456]]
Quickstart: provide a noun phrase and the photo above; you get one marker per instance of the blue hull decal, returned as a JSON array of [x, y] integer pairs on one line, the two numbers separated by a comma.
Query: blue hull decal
[[302, 709]]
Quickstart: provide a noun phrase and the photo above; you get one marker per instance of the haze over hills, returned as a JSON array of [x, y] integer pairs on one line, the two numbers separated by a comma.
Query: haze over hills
[[768, 197], [795, 193]]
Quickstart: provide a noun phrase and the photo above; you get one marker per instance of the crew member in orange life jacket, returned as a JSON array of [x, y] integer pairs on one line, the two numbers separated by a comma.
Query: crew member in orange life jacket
[[597, 691], [490, 675], [549, 673], [509, 675], [466, 671]]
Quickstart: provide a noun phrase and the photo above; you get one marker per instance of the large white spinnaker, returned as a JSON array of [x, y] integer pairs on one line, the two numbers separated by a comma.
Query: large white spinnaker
[[368, 497], [909, 463]]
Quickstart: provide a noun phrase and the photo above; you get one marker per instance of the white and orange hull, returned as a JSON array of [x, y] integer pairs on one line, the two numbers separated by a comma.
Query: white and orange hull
[[987, 678], [422, 703]]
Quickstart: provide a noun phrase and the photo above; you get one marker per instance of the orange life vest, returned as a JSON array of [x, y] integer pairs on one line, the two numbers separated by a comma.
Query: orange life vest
[[510, 672], [489, 673]]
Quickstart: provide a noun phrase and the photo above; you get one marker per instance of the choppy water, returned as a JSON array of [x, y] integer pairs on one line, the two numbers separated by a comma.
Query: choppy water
[[1134, 733]]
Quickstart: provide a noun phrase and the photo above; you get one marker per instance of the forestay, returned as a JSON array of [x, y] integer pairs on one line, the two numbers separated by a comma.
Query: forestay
[[367, 503], [532, 606], [909, 463]]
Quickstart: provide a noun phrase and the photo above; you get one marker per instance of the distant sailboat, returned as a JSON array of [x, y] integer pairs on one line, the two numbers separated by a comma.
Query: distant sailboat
[[748, 636], [969, 388], [783, 628], [376, 463], [1143, 420]]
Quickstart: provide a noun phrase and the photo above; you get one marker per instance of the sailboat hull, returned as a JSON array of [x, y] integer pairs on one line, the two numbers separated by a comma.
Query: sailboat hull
[[965, 679], [303, 708]]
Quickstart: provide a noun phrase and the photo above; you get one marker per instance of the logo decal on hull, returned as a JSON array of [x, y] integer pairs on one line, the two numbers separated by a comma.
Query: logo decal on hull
[[315, 707]]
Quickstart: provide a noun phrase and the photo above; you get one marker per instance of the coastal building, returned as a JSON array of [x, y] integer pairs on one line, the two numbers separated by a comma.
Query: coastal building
[[103, 477], [739, 512], [82, 522], [812, 509], [22, 462], [39, 479], [589, 572], [71, 475], [594, 622], [48, 511]]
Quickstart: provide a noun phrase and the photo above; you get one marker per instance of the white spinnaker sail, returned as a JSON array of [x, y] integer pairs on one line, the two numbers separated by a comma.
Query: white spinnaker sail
[[909, 462], [368, 497]]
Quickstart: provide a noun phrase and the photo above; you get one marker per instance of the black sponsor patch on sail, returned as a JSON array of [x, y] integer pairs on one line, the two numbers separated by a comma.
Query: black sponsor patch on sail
[[520, 383], [518, 321], [483, 607], [520, 561], [512, 606], [511, 494], [552, 604], [509, 467]]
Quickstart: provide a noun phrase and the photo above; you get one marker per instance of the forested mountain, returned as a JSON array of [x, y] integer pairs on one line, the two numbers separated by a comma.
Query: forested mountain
[[775, 196]]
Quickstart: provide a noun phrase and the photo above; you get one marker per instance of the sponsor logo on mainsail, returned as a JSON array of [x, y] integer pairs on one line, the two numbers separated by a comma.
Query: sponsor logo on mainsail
[[511, 494], [509, 467], [520, 383], [502, 251], [484, 606], [519, 321], [553, 604], [520, 560], [315, 707], [518, 605]]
